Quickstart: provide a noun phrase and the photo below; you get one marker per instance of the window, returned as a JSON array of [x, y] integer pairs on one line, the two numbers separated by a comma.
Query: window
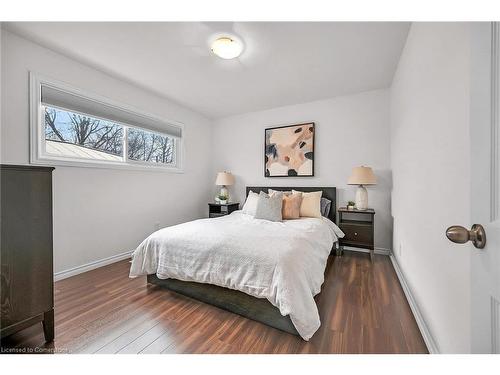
[[149, 147], [69, 134], [72, 128]]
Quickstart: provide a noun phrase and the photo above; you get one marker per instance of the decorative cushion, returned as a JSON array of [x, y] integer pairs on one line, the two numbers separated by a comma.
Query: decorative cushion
[[269, 207], [291, 206], [310, 206], [271, 192], [325, 206], [251, 203]]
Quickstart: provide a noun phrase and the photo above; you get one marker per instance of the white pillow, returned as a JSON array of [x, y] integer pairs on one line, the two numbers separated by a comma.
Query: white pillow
[[311, 204], [250, 205]]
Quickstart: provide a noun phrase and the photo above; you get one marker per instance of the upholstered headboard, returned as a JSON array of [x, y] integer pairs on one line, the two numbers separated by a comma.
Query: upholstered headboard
[[328, 193]]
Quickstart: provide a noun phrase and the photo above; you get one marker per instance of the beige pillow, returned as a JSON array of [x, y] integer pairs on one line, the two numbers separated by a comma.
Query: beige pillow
[[311, 204], [291, 206]]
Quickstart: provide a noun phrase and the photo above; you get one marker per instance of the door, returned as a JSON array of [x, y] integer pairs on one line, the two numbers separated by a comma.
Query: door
[[485, 188]]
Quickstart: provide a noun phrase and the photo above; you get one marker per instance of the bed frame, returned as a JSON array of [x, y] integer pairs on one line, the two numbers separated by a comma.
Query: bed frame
[[258, 309]]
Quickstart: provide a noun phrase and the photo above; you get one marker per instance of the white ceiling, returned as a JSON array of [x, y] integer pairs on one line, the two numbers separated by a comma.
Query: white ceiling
[[283, 62]]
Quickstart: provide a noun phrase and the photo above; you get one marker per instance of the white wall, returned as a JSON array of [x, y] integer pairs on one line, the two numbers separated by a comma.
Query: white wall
[[99, 213], [350, 131], [430, 164]]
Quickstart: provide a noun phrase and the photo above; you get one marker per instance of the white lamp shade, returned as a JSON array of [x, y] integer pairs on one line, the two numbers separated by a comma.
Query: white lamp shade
[[362, 176], [224, 179]]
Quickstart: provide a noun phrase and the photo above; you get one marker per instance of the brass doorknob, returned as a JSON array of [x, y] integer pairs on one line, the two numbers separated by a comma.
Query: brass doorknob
[[459, 234]]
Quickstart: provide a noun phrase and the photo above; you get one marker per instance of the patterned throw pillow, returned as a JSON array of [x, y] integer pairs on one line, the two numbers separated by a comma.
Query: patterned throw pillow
[[269, 207], [271, 192], [291, 206], [326, 205]]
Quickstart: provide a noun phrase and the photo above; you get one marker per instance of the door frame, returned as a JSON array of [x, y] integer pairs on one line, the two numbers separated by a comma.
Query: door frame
[[494, 122]]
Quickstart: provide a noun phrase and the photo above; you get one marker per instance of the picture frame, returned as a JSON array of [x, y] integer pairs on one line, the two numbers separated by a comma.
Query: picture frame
[[289, 150]]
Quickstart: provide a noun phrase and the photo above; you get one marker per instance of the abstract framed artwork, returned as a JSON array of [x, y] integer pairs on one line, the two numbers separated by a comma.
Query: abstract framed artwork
[[289, 151]]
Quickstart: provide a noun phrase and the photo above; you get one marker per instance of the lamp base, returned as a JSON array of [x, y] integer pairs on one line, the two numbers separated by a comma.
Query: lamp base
[[224, 192], [361, 198]]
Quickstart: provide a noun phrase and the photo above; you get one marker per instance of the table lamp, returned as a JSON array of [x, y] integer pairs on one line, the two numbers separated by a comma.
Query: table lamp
[[224, 179], [362, 176]]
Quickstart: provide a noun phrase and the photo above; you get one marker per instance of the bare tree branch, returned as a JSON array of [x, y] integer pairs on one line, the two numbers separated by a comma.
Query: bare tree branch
[[50, 120]]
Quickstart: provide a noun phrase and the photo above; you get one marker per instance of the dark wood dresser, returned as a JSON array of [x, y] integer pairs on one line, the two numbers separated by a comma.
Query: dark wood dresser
[[27, 286]]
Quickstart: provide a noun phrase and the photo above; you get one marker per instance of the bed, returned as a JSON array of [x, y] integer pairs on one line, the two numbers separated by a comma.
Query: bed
[[265, 271]]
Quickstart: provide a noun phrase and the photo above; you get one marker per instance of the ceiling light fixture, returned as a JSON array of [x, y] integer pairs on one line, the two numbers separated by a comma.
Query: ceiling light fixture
[[227, 47]]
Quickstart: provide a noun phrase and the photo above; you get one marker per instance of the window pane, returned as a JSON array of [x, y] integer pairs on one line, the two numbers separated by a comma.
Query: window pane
[[75, 135], [150, 147]]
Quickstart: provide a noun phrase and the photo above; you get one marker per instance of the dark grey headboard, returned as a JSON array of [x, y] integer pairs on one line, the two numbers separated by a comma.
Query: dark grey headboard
[[328, 193]]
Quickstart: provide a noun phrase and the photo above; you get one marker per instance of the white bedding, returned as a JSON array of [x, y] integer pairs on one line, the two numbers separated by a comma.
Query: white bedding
[[281, 261]]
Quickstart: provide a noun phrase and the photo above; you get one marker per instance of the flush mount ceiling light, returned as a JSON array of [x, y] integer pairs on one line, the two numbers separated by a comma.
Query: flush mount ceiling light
[[226, 47]]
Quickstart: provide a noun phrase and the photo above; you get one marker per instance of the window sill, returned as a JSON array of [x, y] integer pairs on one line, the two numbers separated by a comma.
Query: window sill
[[47, 161]]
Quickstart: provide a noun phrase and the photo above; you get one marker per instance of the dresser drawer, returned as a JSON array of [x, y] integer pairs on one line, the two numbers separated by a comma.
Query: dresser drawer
[[357, 234]]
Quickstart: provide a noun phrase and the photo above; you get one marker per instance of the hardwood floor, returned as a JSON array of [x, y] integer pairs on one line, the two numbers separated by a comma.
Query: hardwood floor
[[362, 308]]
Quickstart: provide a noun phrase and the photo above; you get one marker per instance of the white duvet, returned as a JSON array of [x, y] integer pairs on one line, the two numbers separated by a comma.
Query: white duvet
[[283, 262]]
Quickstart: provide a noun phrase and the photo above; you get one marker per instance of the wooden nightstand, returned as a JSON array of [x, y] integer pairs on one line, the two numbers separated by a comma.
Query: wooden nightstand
[[216, 209], [358, 227]]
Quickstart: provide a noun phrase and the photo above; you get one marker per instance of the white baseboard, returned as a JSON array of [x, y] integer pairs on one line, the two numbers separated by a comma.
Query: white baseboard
[[91, 266], [378, 250], [424, 329]]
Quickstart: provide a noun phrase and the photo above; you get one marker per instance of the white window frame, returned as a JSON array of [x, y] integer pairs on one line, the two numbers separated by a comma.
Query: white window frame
[[37, 133]]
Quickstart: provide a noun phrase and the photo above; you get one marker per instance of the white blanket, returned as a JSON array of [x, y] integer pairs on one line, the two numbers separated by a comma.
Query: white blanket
[[281, 261]]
